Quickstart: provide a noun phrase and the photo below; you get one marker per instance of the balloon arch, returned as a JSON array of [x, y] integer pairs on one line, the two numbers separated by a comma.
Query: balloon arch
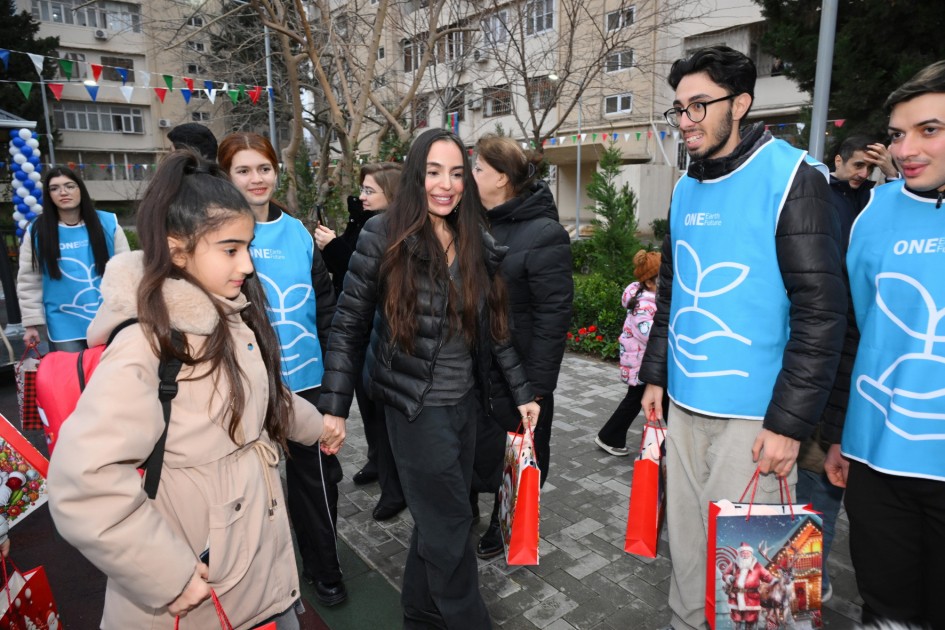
[[26, 167]]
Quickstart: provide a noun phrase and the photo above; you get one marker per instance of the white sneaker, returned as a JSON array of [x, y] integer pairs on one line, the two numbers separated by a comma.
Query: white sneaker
[[613, 450], [827, 594]]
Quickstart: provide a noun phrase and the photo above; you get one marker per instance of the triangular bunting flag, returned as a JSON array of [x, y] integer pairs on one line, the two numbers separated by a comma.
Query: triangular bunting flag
[[800, 126], [96, 70], [161, 93], [562, 139], [92, 90], [675, 135], [839, 122], [38, 63], [254, 94], [169, 81], [207, 85], [573, 138], [626, 136], [144, 78], [594, 137], [127, 91], [649, 134], [767, 127], [234, 95], [584, 137], [5, 58], [211, 96], [272, 94], [184, 92], [66, 65], [26, 87], [554, 141], [56, 89], [123, 73], [189, 83], [663, 134], [616, 137], [242, 89], [638, 136]]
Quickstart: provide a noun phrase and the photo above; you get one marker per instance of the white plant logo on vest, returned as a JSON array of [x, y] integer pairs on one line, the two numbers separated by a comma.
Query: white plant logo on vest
[[905, 411], [686, 346], [78, 272], [301, 293]]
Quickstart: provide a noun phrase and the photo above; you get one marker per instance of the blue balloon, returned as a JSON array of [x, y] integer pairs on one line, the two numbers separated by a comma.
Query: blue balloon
[[20, 232], [15, 167], [34, 160], [22, 207], [18, 141], [27, 151], [30, 215], [29, 184], [14, 133], [20, 175]]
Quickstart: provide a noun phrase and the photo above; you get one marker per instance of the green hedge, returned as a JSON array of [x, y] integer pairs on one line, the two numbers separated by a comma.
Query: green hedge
[[598, 315]]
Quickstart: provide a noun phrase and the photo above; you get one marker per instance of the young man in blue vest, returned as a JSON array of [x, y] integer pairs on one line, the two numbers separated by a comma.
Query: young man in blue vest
[[751, 311], [893, 436]]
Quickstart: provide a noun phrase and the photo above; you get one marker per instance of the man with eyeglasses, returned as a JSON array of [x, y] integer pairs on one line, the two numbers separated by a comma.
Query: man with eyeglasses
[[750, 315]]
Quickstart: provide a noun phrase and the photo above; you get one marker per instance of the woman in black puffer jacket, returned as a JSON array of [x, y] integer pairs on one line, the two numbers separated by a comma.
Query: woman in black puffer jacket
[[424, 273], [537, 270]]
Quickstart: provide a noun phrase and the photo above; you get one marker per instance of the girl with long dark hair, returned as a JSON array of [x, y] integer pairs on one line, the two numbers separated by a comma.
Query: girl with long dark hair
[[62, 259], [219, 519], [427, 268]]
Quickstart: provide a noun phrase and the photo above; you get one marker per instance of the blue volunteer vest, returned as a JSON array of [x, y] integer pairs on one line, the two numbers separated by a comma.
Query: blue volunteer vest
[[72, 301], [729, 316], [895, 421], [282, 253]]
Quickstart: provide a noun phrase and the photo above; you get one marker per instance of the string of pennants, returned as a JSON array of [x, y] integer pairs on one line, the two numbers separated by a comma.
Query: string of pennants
[[142, 81], [84, 165]]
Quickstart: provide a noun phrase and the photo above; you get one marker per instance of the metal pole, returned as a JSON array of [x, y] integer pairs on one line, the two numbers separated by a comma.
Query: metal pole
[[49, 135], [577, 207], [273, 138], [818, 124]]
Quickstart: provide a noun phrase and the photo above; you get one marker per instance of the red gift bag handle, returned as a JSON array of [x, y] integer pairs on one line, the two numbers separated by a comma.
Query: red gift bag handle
[[783, 488], [651, 421], [521, 445], [6, 578], [224, 621], [31, 346]]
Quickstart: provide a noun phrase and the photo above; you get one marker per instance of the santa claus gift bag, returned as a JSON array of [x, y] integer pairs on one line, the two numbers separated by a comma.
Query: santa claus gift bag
[[764, 564], [518, 500], [26, 602]]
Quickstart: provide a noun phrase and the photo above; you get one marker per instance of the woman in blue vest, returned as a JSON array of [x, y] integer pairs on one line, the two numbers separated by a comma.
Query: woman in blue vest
[[301, 305], [62, 260]]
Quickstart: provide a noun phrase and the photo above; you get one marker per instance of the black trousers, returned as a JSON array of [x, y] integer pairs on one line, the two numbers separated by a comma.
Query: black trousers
[[380, 456], [312, 478], [897, 544], [434, 455]]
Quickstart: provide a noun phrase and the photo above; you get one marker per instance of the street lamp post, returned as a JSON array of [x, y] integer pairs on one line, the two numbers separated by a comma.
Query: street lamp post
[[577, 207], [269, 99]]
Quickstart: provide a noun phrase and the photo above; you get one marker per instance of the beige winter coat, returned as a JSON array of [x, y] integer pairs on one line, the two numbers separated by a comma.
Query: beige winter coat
[[213, 492]]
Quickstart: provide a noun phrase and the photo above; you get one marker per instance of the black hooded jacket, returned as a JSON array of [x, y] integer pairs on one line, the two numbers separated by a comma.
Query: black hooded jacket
[[808, 250], [537, 271]]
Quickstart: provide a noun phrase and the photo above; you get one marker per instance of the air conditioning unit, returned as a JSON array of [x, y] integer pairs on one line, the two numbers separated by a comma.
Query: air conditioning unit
[[481, 55], [474, 103], [164, 123], [101, 33]]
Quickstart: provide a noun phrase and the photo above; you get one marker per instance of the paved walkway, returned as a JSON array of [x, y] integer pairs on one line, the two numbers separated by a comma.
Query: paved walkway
[[584, 579]]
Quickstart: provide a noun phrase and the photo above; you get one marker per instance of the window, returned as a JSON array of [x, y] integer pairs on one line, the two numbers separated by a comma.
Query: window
[[200, 116], [421, 111], [110, 67], [79, 69], [197, 46], [413, 52], [495, 27], [618, 104], [621, 60], [195, 69], [541, 92], [381, 53], [496, 101], [73, 116], [455, 101], [539, 16], [623, 18], [65, 12], [195, 20], [452, 46], [121, 16]]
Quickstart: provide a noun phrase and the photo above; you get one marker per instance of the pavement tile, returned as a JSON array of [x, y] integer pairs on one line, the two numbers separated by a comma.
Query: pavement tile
[[582, 528], [571, 586], [591, 612], [550, 610], [585, 565]]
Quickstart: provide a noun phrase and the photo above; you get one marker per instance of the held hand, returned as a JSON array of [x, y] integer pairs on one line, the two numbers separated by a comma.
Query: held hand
[[774, 453], [653, 402], [836, 466], [878, 155], [30, 335], [196, 592], [323, 236], [530, 412], [5, 548], [333, 434]]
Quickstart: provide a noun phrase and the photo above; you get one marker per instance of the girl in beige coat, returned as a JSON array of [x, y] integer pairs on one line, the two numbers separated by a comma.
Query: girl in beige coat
[[220, 492]]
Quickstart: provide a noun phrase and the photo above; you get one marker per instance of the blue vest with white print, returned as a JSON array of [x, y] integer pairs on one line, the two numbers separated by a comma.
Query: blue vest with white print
[[729, 320], [895, 421], [282, 252], [72, 301]]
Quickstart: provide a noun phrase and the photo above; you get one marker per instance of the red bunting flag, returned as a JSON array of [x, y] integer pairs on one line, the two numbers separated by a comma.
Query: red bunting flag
[[254, 94], [649, 133], [56, 89], [839, 122], [161, 93], [96, 70], [189, 83]]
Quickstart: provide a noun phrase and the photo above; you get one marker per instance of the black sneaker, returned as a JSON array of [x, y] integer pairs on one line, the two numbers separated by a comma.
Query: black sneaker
[[490, 545], [330, 594]]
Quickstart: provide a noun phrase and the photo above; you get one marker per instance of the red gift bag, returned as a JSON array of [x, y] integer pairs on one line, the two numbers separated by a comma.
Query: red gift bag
[[25, 372], [764, 564], [23, 472], [27, 601], [647, 495], [518, 500], [224, 621]]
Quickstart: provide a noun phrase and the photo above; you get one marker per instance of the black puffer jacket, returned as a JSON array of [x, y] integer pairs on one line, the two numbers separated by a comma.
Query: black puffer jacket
[[537, 271], [337, 253], [399, 379], [808, 250]]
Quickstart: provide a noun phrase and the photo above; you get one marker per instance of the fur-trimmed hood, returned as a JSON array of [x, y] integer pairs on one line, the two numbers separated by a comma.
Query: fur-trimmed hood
[[191, 310]]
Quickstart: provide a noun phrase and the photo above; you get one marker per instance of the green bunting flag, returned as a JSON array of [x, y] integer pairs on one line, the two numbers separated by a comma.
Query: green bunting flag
[[169, 81], [26, 87], [66, 65], [234, 95]]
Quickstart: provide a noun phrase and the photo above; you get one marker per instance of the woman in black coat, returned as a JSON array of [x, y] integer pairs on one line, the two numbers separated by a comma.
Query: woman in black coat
[[537, 270]]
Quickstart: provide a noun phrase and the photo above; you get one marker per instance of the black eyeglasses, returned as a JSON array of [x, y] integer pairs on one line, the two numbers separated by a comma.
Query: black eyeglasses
[[696, 111]]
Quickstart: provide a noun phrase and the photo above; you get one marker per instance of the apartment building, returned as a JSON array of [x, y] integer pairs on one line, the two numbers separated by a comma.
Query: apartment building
[[112, 121]]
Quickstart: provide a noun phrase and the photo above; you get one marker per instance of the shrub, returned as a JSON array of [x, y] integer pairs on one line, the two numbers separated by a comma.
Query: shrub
[[660, 227], [598, 316], [132, 236]]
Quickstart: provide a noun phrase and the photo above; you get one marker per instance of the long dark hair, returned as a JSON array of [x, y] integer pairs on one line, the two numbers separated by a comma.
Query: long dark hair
[[187, 198], [405, 260], [45, 229]]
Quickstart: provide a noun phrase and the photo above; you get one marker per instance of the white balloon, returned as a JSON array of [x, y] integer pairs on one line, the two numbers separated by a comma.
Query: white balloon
[[14, 150], [33, 143], [29, 200], [19, 158], [37, 209], [28, 167], [35, 176], [26, 134], [23, 223], [22, 192], [18, 216]]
